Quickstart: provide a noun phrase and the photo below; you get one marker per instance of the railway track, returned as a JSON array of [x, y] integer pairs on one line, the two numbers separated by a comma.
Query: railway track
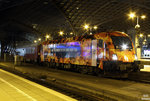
[[143, 77]]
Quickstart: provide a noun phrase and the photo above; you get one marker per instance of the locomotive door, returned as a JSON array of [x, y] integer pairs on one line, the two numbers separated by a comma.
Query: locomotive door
[[100, 53]]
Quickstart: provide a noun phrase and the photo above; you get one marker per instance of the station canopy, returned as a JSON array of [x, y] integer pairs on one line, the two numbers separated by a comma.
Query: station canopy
[[30, 19]]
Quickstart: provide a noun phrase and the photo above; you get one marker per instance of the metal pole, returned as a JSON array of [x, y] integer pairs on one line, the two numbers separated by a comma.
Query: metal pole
[[137, 20]]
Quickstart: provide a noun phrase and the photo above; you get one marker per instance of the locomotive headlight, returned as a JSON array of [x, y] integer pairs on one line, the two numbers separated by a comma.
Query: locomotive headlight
[[114, 57], [124, 46], [135, 57], [126, 58]]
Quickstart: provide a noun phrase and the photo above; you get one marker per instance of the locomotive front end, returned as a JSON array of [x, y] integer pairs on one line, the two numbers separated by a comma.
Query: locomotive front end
[[122, 56]]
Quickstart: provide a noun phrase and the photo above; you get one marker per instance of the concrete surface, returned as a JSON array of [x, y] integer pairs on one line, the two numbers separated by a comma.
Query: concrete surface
[[15, 88], [118, 89]]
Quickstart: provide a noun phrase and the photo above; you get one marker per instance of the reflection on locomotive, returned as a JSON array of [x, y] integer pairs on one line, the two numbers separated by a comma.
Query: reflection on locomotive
[[106, 52]]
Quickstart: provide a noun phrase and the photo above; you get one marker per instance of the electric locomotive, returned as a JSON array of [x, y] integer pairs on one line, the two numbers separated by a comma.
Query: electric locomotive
[[106, 52]]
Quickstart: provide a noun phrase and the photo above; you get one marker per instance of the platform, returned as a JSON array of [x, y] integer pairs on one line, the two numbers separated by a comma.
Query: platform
[[118, 89], [146, 63], [15, 88]]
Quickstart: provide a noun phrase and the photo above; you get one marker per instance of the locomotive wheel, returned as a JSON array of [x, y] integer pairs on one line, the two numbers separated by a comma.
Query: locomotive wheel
[[53, 64], [49, 64], [83, 69], [67, 66], [98, 72], [57, 65], [136, 70], [61, 66]]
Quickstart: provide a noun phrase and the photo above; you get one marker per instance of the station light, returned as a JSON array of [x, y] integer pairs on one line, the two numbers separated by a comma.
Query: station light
[[35, 41], [95, 27], [143, 17], [47, 36], [71, 33], [61, 33], [86, 26], [39, 39], [141, 35], [132, 15]]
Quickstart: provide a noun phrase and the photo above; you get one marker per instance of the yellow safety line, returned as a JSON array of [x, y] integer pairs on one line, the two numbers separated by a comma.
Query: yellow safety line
[[62, 96], [20, 91]]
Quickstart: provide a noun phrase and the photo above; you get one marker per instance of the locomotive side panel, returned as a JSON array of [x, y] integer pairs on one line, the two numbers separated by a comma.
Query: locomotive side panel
[[31, 54], [78, 53], [103, 51]]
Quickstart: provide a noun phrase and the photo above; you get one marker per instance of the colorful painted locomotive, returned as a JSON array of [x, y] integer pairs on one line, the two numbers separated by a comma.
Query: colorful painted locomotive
[[102, 52]]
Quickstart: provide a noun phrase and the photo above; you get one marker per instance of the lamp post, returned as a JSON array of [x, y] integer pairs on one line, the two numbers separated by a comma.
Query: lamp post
[[133, 15], [137, 22]]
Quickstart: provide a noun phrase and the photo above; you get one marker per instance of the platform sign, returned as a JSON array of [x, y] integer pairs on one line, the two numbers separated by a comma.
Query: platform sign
[[146, 54], [94, 52]]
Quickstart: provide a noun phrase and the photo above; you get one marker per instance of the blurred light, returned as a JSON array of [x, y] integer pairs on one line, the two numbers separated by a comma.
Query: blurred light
[[35, 41], [141, 35], [34, 25], [132, 15], [71, 33], [86, 26], [61, 33], [137, 26], [126, 58], [90, 33], [146, 68], [95, 27], [47, 36], [149, 35], [135, 57], [114, 57], [143, 17], [39, 39], [124, 46]]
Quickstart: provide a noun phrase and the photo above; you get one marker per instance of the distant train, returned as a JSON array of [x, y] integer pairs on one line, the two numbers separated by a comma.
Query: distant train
[[106, 52]]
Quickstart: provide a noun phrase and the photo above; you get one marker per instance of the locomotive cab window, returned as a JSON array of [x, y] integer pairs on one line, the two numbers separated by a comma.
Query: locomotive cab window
[[121, 42], [100, 43]]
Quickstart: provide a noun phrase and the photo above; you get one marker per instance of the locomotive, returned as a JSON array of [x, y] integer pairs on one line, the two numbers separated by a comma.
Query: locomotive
[[105, 52]]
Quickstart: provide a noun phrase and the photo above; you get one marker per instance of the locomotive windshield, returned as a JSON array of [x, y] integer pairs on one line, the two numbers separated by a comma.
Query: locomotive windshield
[[121, 42]]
